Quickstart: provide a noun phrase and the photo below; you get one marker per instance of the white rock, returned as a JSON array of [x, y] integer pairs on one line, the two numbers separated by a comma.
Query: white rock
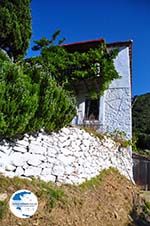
[[25, 166], [86, 143], [32, 138], [4, 161], [27, 156], [3, 196], [55, 137], [52, 151], [69, 170], [71, 155], [52, 160], [75, 180], [34, 161], [26, 136], [37, 149], [20, 149], [41, 135], [17, 159], [9, 174], [83, 147], [32, 171], [66, 151], [45, 165], [2, 169], [46, 171], [78, 154], [78, 142], [66, 143], [66, 160], [19, 171], [48, 139], [65, 130], [10, 167], [48, 178], [62, 139], [58, 170], [5, 149], [23, 143]]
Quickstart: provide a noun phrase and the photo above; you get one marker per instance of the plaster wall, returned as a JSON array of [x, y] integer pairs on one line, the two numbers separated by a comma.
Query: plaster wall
[[116, 103]]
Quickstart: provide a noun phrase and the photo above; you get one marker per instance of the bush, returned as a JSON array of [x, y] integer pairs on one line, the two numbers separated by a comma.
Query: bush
[[56, 106], [18, 99], [30, 100]]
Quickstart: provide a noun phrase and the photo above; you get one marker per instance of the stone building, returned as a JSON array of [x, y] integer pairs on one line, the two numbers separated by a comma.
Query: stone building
[[112, 111]]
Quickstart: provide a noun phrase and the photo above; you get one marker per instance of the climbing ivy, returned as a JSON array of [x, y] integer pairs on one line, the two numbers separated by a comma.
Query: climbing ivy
[[68, 67]]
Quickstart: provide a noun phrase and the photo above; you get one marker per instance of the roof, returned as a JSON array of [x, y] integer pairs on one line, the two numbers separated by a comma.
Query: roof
[[75, 46], [83, 45]]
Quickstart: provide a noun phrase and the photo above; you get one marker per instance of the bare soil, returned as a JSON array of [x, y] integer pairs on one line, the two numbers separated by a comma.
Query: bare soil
[[104, 201]]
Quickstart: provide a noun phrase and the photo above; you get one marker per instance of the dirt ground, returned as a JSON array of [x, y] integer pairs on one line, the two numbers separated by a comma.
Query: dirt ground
[[104, 201]]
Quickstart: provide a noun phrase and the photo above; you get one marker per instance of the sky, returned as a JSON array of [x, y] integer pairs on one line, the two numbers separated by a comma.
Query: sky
[[113, 20]]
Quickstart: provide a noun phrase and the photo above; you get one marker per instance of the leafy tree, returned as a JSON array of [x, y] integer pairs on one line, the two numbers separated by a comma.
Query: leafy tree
[[15, 26], [141, 120]]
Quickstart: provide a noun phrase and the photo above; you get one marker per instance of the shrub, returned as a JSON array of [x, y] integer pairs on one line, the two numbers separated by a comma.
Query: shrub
[[56, 106], [18, 99], [30, 100]]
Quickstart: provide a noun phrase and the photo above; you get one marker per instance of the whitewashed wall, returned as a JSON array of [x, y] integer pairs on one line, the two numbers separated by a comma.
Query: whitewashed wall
[[69, 156], [115, 104]]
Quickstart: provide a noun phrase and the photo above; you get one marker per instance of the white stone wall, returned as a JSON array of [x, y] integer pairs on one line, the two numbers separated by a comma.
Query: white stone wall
[[69, 156]]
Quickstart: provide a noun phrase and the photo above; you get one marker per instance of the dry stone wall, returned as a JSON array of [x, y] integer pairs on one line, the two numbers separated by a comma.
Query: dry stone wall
[[69, 156]]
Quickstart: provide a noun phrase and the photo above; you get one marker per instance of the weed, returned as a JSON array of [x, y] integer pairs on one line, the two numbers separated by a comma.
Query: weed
[[51, 192], [95, 181], [54, 195], [92, 131]]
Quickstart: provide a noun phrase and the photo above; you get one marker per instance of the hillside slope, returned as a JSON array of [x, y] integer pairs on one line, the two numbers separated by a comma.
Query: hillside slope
[[141, 120], [106, 200]]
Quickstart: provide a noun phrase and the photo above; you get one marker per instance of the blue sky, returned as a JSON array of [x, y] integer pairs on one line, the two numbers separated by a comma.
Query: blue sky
[[113, 20]]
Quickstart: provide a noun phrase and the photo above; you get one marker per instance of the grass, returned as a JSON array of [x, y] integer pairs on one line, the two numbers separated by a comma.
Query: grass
[[54, 195], [3, 208], [92, 131], [96, 181], [117, 136], [48, 191], [146, 207], [70, 204]]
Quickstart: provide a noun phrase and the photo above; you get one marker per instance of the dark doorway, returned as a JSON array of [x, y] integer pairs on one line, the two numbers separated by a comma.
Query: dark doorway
[[91, 109]]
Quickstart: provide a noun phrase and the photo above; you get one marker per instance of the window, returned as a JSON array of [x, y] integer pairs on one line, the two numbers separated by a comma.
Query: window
[[91, 109]]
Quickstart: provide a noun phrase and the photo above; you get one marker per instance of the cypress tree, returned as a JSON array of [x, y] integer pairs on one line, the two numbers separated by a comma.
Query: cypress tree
[[15, 27]]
